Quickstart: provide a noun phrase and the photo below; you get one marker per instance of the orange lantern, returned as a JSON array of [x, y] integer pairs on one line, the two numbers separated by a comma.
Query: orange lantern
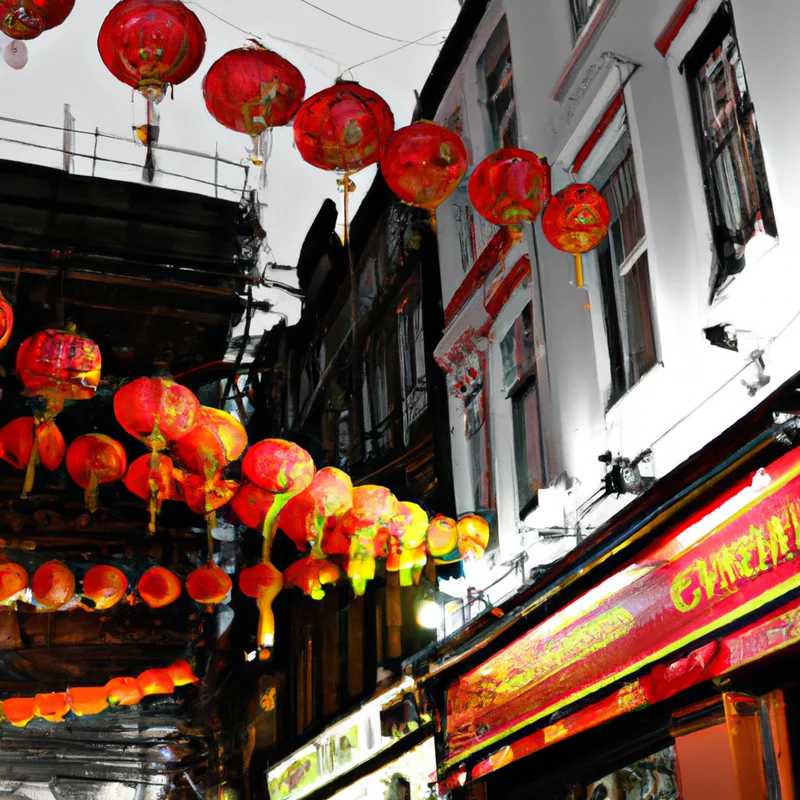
[[50, 445], [103, 587], [13, 579], [575, 221], [442, 539], [473, 536], [252, 504], [208, 584], [181, 673], [87, 699], [53, 706], [264, 583], [509, 187], [53, 585], [123, 692], [407, 551], [159, 587], [423, 164], [311, 574], [155, 681], [316, 511], [362, 534], [6, 321], [152, 477], [19, 711], [157, 411], [205, 495], [92, 460], [16, 441]]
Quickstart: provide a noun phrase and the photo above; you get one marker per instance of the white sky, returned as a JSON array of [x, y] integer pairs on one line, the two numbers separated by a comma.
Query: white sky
[[65, 67]]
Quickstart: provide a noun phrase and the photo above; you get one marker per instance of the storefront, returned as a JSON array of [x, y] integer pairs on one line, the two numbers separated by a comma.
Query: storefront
[[367, 754], [671, 678]]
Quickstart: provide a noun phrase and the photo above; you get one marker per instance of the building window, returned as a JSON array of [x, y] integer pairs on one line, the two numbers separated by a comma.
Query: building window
[[581, 12], [623, 269], [521, 387], [730, 150], [411, 351], [480, 463], [497, 84]]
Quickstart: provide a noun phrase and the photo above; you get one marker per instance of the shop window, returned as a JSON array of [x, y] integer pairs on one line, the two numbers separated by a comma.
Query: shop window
[[730, 149], [581, 12], [480, 463], [521, 386], [652, 778], [380, 391], [411, 351], [497, 84], [623, 269]]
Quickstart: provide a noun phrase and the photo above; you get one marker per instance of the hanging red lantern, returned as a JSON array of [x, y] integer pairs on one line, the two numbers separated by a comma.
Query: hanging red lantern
[[576, 220], [311, 574], [92, 460], [52, 706], [252, 89], [6, 320], [215, 440], [50, 445], [473, 536], [13, 579], [16, 441], [208, 584], [159, 587], [252, 504], [59, 366], [157, 411], [123, 692], [27, 19], [53, 585], [181, 673], [264, 583], [155, 681], [103, 587], [87, 700], [343, 128], [509, 187], [151, 44], [19, 711], [423, 164]]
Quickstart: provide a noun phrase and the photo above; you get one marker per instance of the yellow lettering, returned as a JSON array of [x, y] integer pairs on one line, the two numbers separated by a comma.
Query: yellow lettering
[[761, 547], [708, 577], [793, 515], [744, 549], [779, 541], [681, 583]]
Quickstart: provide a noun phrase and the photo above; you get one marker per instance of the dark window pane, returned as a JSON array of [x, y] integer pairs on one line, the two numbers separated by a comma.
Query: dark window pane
[[496, 71], [527, 442], [477, 432], [581, 10], [730, 150]]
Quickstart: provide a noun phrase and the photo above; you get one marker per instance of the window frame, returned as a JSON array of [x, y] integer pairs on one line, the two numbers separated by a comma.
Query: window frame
[[575, 10], [621, 124], [717, 28], [503, 132]]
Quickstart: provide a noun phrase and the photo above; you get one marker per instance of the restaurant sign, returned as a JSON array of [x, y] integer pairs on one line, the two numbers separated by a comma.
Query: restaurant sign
[[717, 567]]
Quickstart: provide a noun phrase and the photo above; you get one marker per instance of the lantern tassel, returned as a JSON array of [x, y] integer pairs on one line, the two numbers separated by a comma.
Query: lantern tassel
[[30, 471], [432, 213], [211, 523], [91, 495], [578, 270], [153, 486]]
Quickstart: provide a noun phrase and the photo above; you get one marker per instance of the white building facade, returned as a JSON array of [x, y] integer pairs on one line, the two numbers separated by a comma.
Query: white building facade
[[681, 115]]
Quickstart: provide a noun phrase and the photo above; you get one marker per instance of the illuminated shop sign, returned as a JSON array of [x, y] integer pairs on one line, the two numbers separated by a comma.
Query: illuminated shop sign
[[343, 746], [719, 566]]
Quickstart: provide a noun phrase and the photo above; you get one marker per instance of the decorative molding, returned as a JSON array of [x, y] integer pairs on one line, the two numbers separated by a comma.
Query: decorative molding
[[673, 27], [594, 138], [586, 41], [464, 364]]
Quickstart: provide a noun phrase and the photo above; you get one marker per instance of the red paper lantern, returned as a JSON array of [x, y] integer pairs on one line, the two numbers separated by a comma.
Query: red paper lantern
[[264, 583], [251, 89], [509, 186], [423, 164], [53, 585], [52, 706], [576, 219], [311, 574], [279, 466], [208, 584], [151, 44], [27, 19], [85, 700], [252, 504], [159, 587], [6, 321], [155, 681], [214, 441], [344, 128], [123, 692], [13, 579], [151, 477], [181, 673], [92, 460], [16, 441], [50, 445], [157, 411], [19, 711], [104, 587], [59, 366]]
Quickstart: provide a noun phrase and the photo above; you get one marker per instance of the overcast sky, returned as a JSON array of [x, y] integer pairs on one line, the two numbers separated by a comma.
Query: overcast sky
[[64, 67]]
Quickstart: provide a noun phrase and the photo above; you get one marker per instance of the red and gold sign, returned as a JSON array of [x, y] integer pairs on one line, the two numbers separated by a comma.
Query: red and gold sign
[[510, 186], [424, 163], [27, 19], [703, 577]]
